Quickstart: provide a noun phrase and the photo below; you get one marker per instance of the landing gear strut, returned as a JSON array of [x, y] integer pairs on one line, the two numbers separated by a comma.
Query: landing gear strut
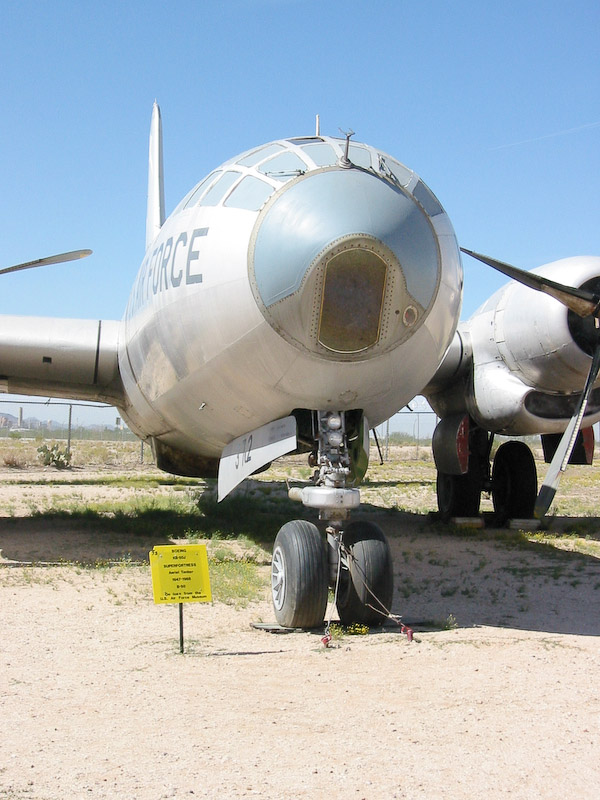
[[355, 556]]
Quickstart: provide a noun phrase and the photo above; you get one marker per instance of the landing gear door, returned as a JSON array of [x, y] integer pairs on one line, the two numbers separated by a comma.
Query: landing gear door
[[358, 447], [248, 453]]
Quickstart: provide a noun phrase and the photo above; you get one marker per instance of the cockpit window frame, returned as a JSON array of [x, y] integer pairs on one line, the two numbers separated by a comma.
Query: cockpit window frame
[[255, 157], [223, 191], [252, 201], [285, 174], [201, 188], [315, 148]]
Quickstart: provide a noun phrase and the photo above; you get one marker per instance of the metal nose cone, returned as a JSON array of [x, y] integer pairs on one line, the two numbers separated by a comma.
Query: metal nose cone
[[343, 263]]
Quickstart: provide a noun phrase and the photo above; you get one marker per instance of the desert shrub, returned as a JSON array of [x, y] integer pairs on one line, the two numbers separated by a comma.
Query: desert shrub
[[11, 460]]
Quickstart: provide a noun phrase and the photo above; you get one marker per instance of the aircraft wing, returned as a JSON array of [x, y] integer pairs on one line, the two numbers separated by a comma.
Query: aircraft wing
[[71, 358]]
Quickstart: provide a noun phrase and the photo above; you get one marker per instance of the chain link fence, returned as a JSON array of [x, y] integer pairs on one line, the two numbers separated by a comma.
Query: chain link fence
[[94, 433]]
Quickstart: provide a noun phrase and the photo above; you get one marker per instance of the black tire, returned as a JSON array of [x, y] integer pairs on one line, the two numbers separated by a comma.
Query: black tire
[[458, 495], [514, 482], [299, 575], [369, 567]]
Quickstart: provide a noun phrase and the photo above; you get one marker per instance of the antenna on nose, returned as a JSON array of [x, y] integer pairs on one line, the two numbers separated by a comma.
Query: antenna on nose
[[318, 125], [344, 161]]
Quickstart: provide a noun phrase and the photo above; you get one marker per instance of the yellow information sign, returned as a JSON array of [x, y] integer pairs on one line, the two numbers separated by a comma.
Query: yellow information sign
[[180, 574]]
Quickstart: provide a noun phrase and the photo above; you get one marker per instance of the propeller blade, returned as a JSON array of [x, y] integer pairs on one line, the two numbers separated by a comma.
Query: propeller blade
[[43, 262], [567, 443], [580, 301]]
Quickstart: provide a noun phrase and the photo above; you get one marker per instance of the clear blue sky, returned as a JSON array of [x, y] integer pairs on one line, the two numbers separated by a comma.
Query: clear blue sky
[[495, 105]]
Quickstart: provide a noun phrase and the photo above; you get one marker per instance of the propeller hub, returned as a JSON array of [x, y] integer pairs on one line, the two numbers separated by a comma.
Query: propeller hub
[[585, 330]]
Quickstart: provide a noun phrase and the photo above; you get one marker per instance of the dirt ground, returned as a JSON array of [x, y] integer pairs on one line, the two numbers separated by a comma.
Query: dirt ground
[[97, 702]]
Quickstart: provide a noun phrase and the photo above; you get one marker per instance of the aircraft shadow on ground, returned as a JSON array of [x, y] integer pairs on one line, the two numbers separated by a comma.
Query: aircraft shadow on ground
[[88, 536], [476, 577], [494, 577], [405, 483]]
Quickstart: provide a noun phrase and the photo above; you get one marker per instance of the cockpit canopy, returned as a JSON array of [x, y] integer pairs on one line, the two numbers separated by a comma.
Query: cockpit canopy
[[248, 180]]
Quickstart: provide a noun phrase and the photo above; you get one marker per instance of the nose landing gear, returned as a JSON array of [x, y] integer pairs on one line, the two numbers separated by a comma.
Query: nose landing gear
[[355, 556]]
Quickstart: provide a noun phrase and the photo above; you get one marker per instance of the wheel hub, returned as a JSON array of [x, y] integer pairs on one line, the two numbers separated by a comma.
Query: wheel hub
[[278, 579]]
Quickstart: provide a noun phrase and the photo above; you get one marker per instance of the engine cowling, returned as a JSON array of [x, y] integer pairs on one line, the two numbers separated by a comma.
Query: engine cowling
[[523, 358], [535, 336]]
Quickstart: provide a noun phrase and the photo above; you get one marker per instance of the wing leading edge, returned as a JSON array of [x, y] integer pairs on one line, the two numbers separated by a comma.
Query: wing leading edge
[[70, 358]]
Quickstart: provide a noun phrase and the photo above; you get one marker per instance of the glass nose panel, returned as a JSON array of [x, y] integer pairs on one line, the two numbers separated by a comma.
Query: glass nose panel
[[352, 301]]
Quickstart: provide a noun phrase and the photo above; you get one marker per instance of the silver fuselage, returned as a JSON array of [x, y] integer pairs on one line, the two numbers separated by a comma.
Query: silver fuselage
[[289, 280]]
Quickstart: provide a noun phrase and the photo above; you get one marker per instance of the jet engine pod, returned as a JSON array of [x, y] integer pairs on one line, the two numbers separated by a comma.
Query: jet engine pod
[[344, 264]]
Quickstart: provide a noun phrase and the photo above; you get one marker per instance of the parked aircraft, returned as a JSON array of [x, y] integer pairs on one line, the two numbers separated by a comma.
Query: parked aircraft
[[298, 295]]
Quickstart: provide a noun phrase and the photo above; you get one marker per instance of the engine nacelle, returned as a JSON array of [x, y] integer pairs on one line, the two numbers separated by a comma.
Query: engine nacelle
[[531, 356], [534, 334], [523, 358]]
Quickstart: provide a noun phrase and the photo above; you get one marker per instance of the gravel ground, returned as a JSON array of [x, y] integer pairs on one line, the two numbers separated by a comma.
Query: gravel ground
[[96, 700]]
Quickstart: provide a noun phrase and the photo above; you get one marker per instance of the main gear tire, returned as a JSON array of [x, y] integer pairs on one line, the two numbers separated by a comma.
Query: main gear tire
[[458, 495], [514, 482]]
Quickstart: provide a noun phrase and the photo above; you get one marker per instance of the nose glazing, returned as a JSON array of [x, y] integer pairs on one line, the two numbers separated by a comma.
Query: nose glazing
[[344, 264]]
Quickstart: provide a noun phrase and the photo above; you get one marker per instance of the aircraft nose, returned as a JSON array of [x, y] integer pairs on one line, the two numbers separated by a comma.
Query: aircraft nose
[[344, 264]]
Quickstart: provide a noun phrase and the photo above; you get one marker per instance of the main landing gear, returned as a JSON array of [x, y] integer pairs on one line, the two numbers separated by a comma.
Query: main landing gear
[[511, 480], [353, 559]]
